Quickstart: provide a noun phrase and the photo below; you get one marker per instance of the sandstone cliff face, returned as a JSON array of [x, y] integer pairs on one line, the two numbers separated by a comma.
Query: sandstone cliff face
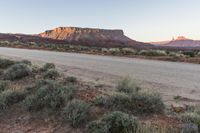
[[74, 33], [89, 36]]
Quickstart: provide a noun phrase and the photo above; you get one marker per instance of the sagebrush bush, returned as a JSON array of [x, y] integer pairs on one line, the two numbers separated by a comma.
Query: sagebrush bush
[[176, 54], [50, 95], [119, 101], [10, 97], [48, 66], [17, 71], [77, 112], [51, 74], [189, 128], [3, 85], [152, 52], [27, 62], [198, 54], [100, 101], [1, 73], [191, 117], [114, 122], [98, 127], [114, 51], [128, 51], [5, 63], [71, 79], [144, 102], [189, 53], [139, 103], [127, 85]]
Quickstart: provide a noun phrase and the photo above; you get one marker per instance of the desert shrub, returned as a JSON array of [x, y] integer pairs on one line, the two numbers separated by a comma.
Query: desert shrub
[[127, 85], [191, 117], [48, 66], [105, 50], [198, 54], [119, 101], [114, 51], [189, 53], [139, 103], [10, 97], [128, 51], [27, 62], [5, 63], [153, 52], [3, 85], [189, 128], [71, 79], [144, 102], [100, 101], [1, 72], [114, 122], [17, 71], [97, 127], [50, 95], [158, 128], [176, 54], [77, 112], [51, 74]]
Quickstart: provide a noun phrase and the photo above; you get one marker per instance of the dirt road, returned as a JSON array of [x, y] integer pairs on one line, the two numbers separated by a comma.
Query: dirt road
[[168, 78]]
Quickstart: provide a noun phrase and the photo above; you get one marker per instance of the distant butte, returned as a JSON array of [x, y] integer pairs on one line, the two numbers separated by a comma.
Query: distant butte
[[180, 38]]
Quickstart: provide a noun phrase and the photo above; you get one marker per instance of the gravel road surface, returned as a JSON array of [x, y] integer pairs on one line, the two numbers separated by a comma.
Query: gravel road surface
[[169, 78]]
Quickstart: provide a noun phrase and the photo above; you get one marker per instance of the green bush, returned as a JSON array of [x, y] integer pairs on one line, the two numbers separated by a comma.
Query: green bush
[[198, 54], [77, 112], [71, 79], [144, 102], [5, 63], [50, 95], [51, 74], [3, 85], [153, 52], [114, 51], [128, 51], [191, 117], [189, 53], [48, 66], [127, 85], [100, 101], [176, 54], [17, 71], [1, 73], [119, 101], [97, 127], [140, 102], [27, 62], [114, 122], [9, 97]]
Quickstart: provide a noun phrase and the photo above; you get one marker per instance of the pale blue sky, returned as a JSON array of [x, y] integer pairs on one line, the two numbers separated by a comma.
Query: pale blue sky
[[142, 20]]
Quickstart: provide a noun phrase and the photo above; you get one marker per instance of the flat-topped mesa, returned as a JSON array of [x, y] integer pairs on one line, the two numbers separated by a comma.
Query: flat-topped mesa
[[84, 30], [90, 37], [63, 33]]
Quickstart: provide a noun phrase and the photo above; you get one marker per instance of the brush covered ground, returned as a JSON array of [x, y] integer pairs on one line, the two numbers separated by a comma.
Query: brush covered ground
[[37, 99], [155, 53]]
